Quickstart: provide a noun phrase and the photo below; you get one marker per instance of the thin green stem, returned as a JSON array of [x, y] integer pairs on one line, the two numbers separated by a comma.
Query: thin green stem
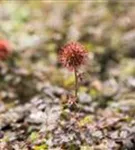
[[76, 84]]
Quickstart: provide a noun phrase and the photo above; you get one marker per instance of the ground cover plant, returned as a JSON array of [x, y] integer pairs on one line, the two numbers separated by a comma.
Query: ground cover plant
[[67, 75]]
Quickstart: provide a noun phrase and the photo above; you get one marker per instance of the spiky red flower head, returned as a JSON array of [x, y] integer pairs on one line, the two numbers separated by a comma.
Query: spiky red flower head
[[4, 49], [72, 55]]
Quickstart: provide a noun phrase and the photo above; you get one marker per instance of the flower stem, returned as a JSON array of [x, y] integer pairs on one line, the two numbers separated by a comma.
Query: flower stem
[[76, 84]]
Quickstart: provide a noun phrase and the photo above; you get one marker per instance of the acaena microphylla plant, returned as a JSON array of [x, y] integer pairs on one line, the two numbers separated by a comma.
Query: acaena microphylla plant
[[5, 49], [72, 55]]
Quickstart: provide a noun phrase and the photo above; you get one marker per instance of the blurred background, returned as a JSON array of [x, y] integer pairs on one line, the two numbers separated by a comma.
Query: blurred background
[[37, 30], [34, 113]]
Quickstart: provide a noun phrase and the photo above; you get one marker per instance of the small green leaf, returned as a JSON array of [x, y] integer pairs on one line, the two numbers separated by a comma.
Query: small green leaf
[[41, 147], [86, 120], [34, 136]]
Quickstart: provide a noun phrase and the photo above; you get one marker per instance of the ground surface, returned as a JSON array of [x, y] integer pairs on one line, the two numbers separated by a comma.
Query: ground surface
[[34, 112]]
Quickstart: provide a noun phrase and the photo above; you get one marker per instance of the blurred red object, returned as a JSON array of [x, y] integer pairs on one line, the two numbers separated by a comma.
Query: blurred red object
[[5, 49]]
